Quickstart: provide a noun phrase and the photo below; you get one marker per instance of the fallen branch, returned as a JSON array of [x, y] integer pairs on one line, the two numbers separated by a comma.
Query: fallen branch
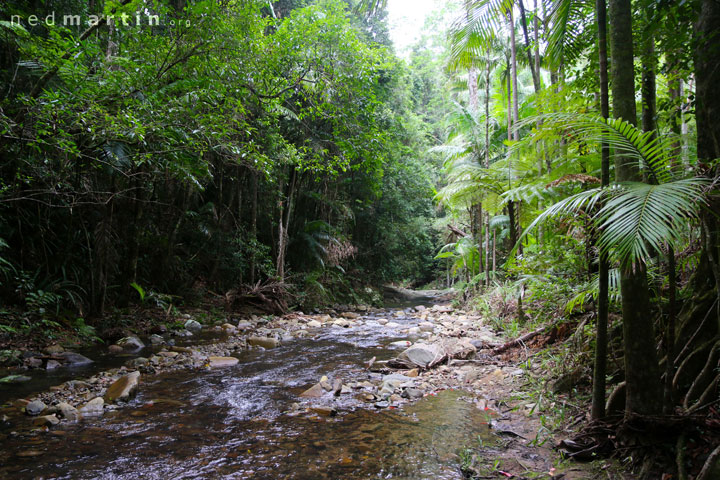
[[518, 341]]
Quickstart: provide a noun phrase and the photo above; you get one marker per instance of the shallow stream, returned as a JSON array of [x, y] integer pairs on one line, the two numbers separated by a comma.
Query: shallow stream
[[233, 423]]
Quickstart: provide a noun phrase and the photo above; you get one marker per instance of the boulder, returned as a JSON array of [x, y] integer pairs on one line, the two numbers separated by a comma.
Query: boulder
[[193, 326], [68, 412], [123, 388], [131, 343], [115, 349], [156, 339], [72, 358], [46, 421], [93, 408], [265, 342], [422, 355], [217, 362], [35, 407]]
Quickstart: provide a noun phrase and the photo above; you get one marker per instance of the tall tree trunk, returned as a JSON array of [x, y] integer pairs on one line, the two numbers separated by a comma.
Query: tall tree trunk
[[284, 224], [644, 393], [707, 113], [648, 85], [513, 70], [253, 225], [599, 387], [488, 69], [528, 48]]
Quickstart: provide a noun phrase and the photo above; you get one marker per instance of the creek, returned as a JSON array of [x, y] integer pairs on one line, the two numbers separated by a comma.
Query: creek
[[234, 423]]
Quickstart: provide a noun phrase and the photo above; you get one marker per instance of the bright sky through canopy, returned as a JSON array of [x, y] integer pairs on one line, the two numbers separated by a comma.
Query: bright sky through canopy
[[406, 19]]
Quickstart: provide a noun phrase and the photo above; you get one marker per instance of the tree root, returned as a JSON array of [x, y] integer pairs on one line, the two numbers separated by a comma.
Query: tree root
[[711, 466], [704, 378]]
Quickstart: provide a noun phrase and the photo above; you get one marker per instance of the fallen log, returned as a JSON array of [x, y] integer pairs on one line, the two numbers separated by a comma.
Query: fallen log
[[518, 341]]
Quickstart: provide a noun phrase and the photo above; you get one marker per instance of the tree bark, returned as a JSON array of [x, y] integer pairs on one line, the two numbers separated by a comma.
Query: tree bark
[[707, 112], [601, 343], [644, 393]]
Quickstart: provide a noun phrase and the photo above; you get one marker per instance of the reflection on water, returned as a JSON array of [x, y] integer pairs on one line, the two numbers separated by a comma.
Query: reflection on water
[[230, 423]]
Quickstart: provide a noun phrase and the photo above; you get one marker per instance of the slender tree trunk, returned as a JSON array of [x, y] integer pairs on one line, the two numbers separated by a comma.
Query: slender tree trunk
[[644, 393], [253, 225], [488, 69], [528, 48], [284, 224], [648, 85], [599, 387], [668, 402], [513, 70]]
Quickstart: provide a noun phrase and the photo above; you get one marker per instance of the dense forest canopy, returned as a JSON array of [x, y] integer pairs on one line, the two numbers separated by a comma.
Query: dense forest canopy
[[222, 144], [560, 155]]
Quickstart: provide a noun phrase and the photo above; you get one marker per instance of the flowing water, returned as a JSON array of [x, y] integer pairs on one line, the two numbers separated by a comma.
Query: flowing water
[[233, 423]]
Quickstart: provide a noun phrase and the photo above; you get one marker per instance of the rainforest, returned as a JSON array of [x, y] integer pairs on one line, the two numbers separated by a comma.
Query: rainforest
[[325, 239]]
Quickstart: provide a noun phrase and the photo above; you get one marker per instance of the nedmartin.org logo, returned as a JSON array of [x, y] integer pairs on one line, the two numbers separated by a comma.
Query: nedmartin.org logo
[[124, 19]]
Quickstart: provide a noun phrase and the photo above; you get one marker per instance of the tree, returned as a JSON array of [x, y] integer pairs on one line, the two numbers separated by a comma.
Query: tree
[[641, 365]]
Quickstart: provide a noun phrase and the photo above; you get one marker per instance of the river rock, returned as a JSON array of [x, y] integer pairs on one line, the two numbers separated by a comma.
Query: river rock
[[413, 330], [314, 324], [156, 339], [400, 343], [350, 315], [265, 342], [420, 308], [54, 349], [315, 391], [115, 349], [217, 362], [138, 362], [442, 308], [68, 412], [392, 325], [426, 327], [244, 325], [382, 321], [123, 388], [412, 393], [193, 326], [46, 421], [228, 327], [33, 362], [422, 355], [52, 365], [131, 343], [459, 348], [35, 407], [324, 411], [93, 408]]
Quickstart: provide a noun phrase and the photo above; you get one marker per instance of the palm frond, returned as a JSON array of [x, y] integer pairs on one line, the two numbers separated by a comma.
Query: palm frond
[[638, 220], [567, 24]]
